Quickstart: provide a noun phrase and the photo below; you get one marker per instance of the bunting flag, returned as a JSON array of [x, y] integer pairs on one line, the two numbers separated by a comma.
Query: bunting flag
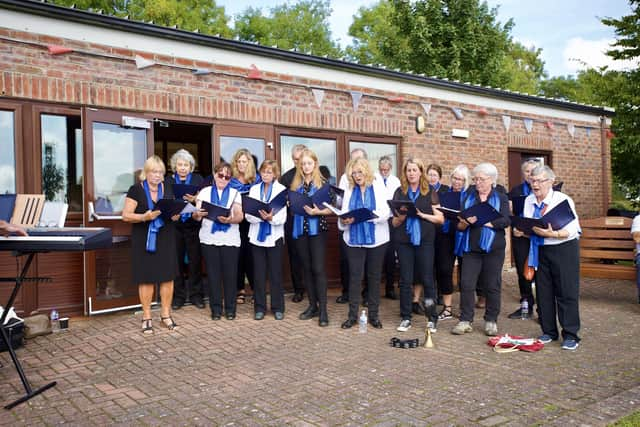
[[143, 62], [506, 122], [318, 95], [426, 107], [588, 130], [201, 71], [355, 99], [549, 125], [528, 125], [396, 99], [458, 113], [58, 50], [254, 73], [482, 112], [610, 134], [571, 129]]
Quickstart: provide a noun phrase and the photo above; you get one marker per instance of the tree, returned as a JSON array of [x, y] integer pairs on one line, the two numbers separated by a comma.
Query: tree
[[303, 26], [522, 69], [203, 15]]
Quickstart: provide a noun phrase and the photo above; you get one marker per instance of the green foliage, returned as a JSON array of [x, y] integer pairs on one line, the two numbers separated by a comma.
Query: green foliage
[[52, 180], [522, 69], [303, 26]]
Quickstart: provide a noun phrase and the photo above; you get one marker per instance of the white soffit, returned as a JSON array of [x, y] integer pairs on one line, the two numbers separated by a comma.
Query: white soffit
[[174, 48]]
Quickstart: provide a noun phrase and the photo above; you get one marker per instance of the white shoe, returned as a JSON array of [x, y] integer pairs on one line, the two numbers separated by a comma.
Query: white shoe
[[432, 327], [405, 325], [490, 328], [462, 328]]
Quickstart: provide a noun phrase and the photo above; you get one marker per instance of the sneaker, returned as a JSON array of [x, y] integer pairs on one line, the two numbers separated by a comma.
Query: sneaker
[[446, 313], [462, 328], [570, 344], [405, 325], [516, 314], [432, 327], [490, 328], [545, 339]]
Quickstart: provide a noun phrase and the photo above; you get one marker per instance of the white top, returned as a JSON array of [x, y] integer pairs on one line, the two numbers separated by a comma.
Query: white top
[[635, 228], [392, 184], [382, 210], [220, 238], [553, 199], [277, 223]]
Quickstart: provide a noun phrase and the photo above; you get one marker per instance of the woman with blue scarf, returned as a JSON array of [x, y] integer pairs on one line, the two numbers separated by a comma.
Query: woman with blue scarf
[[243, 176], [187, 242], [414, 239], [220, 241], [366, 241], [153, 243], [445, 244], [266, 235], [310, 237], [482, 250]]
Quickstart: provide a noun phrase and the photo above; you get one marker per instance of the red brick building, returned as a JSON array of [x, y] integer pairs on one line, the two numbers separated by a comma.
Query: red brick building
[[89, 97]]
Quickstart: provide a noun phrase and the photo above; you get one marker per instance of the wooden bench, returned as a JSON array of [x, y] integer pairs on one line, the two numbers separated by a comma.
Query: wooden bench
[[604, 243]]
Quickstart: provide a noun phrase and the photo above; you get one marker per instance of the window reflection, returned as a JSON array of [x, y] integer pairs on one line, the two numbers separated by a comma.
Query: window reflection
[[230, 144], [325, 149], [7, 148], [62, 159], [118, 157], [376, 150]]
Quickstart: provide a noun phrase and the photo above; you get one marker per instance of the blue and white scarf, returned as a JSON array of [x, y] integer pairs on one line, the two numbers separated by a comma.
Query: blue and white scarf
[[265, 228], [412, 224], [362, 233], [313, 220], [487, 234], [185, 216], [535, 241], [220, 201], [156, 224]]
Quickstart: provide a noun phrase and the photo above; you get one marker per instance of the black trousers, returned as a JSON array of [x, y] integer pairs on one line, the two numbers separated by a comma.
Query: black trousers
[[267, 262], [220, 262], [389, 268], [344, 265], [409, 257], [520, 247], [187, 240], [558, 288], [311, 251], [445, 260], [484, 269], [245, 265], [295, 265], [359, 258]]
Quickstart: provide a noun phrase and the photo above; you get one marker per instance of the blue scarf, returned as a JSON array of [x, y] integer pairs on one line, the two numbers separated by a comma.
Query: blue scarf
[[156, 224], [362, 233], [220, 201], [298, 220], [526, 189], [185, 216], [265, 228], [412, 224], [243, 188], [535, 241], [447, 222], [487, 235], [435, 187]]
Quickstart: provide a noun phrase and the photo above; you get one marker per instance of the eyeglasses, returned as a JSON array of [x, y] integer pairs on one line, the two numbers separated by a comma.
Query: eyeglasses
[[539, 181], [480, 179], [223, 176], [357, 173]]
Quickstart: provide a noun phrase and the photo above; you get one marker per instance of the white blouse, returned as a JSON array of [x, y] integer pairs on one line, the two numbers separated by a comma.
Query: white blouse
[[277, 222], [220, 238], [382, 210]]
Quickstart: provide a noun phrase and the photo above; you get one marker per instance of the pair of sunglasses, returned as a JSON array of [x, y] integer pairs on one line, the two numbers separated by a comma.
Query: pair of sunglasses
[[223, 176]]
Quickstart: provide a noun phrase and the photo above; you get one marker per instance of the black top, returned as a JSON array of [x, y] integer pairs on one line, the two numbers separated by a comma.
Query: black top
[[159, 266], [499, 243], [424, 203], [517, 190], [323, 222], [287, 178], [196, 179]]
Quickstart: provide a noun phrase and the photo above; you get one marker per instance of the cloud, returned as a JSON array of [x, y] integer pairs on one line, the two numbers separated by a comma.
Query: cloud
[[580, 54]]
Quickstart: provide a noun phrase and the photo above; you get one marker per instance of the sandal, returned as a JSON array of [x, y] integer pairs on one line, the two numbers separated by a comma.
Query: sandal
[[147, 327], [170, 326], [446, 313], [241, 298]]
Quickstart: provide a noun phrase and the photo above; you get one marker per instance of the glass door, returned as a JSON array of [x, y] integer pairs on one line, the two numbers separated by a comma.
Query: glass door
[[230, 138], [114, 156]]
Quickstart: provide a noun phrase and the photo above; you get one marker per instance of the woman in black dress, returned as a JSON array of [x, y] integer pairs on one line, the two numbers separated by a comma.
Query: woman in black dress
[[153, 244]]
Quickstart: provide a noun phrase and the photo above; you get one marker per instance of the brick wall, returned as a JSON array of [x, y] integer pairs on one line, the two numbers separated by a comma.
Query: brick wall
[[97, 76]]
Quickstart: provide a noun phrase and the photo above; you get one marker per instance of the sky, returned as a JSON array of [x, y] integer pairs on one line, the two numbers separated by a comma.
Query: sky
[[569, 32]]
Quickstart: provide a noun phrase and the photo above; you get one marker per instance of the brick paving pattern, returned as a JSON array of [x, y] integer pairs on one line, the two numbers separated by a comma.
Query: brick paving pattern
[[292, 372]]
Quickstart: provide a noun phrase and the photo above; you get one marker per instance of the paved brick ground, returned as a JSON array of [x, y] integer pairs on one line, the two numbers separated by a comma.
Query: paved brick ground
[[292, 372]]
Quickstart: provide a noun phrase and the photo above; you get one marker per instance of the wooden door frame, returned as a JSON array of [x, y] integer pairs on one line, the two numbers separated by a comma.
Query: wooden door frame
[[243, 130]]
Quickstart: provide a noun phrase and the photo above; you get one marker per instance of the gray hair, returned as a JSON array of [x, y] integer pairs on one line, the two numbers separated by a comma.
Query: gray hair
[[528, 162], [385, 160], [464, 171], [182, 154], [358, 150], [297, 148], [488, 169], [544, 169]]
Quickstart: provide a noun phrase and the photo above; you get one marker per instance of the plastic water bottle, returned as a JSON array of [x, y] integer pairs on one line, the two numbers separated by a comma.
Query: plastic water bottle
[[55, 321], [362, 322], [524, 314]]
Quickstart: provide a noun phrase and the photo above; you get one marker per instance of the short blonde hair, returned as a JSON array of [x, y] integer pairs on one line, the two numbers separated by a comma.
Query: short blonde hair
[[270, 164], [182, 154], [153, 162], [363, 164]]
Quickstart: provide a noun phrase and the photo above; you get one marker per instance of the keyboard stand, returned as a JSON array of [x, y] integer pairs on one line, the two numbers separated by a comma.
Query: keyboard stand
[[5, 337]]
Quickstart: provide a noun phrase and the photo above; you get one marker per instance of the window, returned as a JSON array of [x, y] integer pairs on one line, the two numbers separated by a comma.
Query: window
[[7, 148], [325, 149], [230, 144], [375, 151], [61, 140]]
